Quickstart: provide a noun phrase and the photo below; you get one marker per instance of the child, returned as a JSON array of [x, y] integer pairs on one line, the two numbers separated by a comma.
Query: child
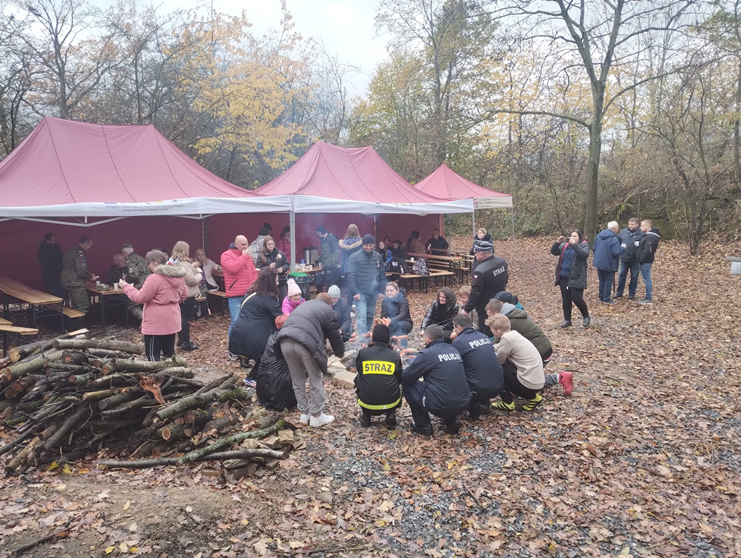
[[293, 299], [521, 364], [463, 293]]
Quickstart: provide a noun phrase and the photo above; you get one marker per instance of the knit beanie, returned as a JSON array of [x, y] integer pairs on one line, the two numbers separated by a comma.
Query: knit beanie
[[381, 334], [368, 239], [321, 230], [334, 291], [264, 232], [293, 288]]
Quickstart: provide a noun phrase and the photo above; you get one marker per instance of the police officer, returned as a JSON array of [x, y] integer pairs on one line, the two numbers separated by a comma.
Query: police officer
[[75, 273], [483, 371], [379, 377], [444, 392], [137, 271], [489, 277]]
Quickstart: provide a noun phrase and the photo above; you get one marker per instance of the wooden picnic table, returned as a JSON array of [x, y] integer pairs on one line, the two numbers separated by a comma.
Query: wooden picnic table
[[112, 298], [25, 294], [8, 327], [452, 259]]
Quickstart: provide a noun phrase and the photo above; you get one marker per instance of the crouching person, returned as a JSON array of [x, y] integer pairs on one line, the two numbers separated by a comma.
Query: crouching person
[[521, 365], [483, 371], [379, 377], [444, 391]]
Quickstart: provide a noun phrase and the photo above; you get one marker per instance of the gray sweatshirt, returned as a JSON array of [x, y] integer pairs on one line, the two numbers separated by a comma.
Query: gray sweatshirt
[[525, 358]]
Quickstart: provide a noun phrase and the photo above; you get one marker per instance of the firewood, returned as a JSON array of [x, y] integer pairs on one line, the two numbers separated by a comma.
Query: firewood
[[107, 344], [237, 454]]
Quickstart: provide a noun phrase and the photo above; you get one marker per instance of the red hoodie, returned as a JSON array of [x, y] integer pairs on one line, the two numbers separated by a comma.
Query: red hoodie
[[239, 271]]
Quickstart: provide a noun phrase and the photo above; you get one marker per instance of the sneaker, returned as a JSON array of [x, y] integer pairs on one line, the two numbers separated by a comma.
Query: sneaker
[[452, 426], [617, 295], [565, 324], [566, 379], [321, 420], [189, 346], [530, 405], [631, 297], [250, 383], [645, 301], [391, 419], [609, 301], [502, 406], [423, 430], [232, 356], [365, 420], [304, 419], [586, 321]]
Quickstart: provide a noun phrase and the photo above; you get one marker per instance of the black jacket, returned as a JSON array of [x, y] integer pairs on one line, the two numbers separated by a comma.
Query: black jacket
[[274, 385], [648, 246], [487, 238], [279, 259], [50, 260], [342, 309], [397, 308], [483, 371], [446, 388], [578, 271], [489, 278], [366, 273], [442, 315], [438, 246], [256, 322], [310, 325], [629, 238], [379, 376], [330, 256]]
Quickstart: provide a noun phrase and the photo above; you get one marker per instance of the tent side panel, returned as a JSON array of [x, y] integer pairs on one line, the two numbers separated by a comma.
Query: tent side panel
[[399, 227]]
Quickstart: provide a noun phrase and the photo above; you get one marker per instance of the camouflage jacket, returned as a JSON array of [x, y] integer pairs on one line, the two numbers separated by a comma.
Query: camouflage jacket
[[137, 270], [74, 268]]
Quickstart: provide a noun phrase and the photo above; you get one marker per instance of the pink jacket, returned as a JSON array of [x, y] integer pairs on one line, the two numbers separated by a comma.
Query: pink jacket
[[239, 271], [289, 306], [161, 295]]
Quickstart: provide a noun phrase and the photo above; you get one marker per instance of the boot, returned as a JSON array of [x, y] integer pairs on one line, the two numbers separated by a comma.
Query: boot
[[452, 426], [364, 419], [391, 419]]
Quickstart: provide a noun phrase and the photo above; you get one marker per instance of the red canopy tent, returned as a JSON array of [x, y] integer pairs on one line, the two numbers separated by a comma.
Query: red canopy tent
[[446, 184], [331, 179]]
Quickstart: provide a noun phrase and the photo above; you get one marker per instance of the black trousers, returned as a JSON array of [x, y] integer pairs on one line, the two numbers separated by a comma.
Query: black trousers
[[415, 396], [282, 292], [156, 345], [187, 310], [572, 296], [483, 328], [380, 412], [512, 385]]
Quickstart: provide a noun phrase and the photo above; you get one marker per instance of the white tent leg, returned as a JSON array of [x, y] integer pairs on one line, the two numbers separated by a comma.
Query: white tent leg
[[292, 224], [473, 220], [514, 244]]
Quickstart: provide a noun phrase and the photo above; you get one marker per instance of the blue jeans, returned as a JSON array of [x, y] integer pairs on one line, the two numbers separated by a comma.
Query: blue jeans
[[646, 274], [624, 267], [366, 310], [235, 305], [401, 328], [606, 279]]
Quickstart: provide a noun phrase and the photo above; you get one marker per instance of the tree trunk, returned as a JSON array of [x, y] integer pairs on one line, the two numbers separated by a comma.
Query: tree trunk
[[595, 150], [237, 454], [107, 344], [20, 369], [142, 365], [229, 440], [199, 400]]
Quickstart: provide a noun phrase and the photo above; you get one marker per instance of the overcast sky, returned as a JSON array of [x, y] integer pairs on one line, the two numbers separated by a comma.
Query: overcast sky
[[345, 27]]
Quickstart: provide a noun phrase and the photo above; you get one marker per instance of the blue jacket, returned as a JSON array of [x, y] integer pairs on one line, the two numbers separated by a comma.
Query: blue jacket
[[445, 378], [607, 250], [483, 371]]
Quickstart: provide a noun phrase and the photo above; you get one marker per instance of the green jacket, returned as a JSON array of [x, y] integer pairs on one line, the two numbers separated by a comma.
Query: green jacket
[[74, 268], [137, 270], [525, 326], [330, 256]]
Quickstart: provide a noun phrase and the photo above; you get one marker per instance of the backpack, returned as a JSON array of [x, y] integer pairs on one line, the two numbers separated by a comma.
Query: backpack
[[397, 265], [420, 267]]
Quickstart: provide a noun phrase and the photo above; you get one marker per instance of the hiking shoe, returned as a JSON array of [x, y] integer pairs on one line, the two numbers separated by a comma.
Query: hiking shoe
[[530, 405], [452, 426], [645, 301], [321, 420], [586, 321], [364, 420], [566, 379], [502, 406], [391, 419], [423, 430], [565, 324], [189, 346]]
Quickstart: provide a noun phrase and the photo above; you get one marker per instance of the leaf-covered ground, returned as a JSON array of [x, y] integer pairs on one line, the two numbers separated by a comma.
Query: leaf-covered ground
[[643, 459]]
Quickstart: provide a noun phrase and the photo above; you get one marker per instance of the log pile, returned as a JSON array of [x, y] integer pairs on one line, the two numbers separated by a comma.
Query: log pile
[[64, 399]]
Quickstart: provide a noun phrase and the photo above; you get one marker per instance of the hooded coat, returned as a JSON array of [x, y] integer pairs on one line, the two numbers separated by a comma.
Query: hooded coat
[[239, 271], [255, 323], [578, 268], [442, 314], [648, 246], [192, 277], [522, 323], [310, 325], [348, 247], [607, 250], [161, 294]]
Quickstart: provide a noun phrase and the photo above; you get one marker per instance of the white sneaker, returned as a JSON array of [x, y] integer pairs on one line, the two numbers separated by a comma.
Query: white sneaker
[[304, 419], [321, 420]]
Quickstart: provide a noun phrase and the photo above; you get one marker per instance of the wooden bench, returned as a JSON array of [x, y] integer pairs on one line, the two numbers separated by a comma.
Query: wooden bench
[[72, 313], [219, 294], [450, 265], [7, 327], [50, 305]]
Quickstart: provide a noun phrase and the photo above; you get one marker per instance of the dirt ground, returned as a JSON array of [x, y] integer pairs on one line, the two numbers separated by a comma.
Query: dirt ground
[[643, 459]]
